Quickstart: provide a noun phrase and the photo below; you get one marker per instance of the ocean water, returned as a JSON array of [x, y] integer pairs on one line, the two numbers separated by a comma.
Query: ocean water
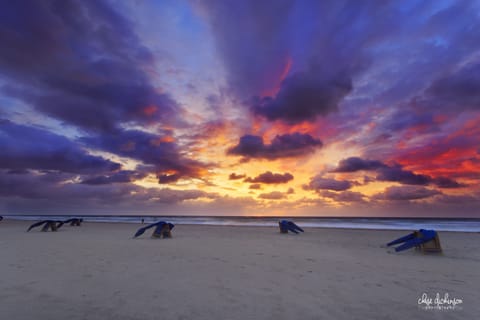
[[458, 225]]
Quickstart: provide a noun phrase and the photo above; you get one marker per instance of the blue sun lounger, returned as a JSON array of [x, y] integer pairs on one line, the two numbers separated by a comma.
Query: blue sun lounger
[[417, 239], [47, 224], [74, 221], [286, 225], [162, 229]]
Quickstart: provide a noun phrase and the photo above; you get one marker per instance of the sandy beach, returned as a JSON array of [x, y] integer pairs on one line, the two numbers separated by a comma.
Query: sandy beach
[[97, 271]]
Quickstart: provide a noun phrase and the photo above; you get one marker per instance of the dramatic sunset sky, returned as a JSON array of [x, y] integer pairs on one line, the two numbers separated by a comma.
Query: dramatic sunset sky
[[270, 107]]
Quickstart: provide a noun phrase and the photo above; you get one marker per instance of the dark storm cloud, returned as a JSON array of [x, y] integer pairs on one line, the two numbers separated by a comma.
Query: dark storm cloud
[[124, 176], [324, 42], [282, 146], [447, 183], [354, 164], [55, 190], [304, 96], [459, 90], [18, 171], [397, 174], [250, 38], [165, 178], [32, 148], [32, 185], [318, 183], [99, 107], [168, 162], [406, 193], [79, 62], [54, 193], [405, 118], [270, 178], [394, 173]]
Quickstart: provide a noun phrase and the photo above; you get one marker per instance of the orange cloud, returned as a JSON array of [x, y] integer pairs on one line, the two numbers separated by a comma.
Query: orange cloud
[[165, 139]]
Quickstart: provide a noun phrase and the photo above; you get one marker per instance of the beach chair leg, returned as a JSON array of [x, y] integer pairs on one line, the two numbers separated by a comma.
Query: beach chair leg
[[432, 246], [166, 233]]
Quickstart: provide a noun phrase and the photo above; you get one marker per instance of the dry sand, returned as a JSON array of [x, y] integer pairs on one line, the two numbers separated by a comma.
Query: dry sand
[[97, 271]]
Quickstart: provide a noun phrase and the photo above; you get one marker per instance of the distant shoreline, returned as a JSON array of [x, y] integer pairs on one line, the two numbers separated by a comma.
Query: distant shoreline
[[439, 224]]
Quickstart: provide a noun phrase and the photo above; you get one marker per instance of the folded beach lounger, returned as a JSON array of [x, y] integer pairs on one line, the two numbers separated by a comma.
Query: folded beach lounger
[[48, 224], [74, 221], [402, 239], [162, 229], [286, 225], [426, 240]]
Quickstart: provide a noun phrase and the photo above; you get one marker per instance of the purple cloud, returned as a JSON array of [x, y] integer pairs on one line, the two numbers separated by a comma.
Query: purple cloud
[[354, 164], [251, 46], [26, 147], [311, 51], [124, 176], [304, 96], [282, 146], [394, 173], [447, 183], [345, 196], [318, 183], [403, 193], [270, 178], [165, 156], [81, 63], [459, 90], [397, 174], [24, 193]]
